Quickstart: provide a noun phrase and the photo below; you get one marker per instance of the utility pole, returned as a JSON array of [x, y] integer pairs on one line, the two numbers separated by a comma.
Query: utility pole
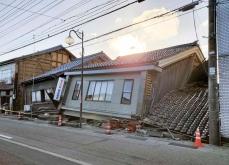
[[213, 101]]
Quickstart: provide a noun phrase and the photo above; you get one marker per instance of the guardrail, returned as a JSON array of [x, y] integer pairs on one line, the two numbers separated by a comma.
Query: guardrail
[[15, 112]]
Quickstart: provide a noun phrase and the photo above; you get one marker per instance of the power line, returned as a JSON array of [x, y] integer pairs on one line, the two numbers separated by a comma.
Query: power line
[[101, 5], [194, 23], [12, 14], [7, 12], [7, 6], [184, 7], [29, 18], [81, 18], [100, 36], [68, 10], [18, 15], [72, 27], [81, 15], [29, 11], [108, 33], [42, 32]]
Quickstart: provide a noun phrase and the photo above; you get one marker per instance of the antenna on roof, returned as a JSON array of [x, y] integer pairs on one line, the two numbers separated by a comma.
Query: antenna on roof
[[34, 45]]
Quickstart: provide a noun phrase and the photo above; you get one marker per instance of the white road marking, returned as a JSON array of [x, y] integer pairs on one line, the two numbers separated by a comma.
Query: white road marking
[[6, 137], [44, 151]]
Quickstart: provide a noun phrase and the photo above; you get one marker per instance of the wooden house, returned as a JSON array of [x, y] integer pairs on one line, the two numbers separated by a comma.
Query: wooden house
[[127, 86], [36, 88], [17, 70]]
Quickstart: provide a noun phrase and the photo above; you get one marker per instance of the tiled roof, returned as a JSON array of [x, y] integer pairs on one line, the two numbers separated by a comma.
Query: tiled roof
[[66, 67], [4, 86], [151, 57], [52, 49], [182, 111]]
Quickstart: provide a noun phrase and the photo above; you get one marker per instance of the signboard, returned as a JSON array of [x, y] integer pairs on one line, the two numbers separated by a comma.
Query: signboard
[[212, 71], [59, 89], [27, 108]]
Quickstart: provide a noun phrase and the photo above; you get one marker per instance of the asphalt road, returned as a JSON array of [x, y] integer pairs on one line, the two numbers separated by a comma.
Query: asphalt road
[[12, 154], [32, 143]]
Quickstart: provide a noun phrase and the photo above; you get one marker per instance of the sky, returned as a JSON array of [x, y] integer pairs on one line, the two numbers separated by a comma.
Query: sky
[[26, 21]]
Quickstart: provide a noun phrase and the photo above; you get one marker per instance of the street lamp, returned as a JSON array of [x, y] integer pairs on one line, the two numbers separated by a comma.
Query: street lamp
[[70, 40]]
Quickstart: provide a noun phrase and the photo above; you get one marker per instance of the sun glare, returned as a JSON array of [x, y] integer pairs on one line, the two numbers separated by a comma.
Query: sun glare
[[128, 44]]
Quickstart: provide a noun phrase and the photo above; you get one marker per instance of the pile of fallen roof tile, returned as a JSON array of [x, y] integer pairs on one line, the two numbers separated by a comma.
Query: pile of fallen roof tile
[[182, 111]]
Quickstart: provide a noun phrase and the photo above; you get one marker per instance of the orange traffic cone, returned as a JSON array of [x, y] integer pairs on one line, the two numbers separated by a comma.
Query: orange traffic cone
[[108, 128], [197, 142], [59, 120]]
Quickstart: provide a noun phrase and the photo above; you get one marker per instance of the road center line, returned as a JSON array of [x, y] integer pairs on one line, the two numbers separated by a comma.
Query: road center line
[[43, 151], [6, 137]]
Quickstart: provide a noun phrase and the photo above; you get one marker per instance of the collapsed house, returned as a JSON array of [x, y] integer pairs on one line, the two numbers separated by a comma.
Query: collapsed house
[[182, 110], [150, 85], [129, 85]]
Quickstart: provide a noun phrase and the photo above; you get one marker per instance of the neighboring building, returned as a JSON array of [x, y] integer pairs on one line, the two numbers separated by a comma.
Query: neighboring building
[[36, 89], [17, 70], [222, 17], [7, 73], [127, 86]]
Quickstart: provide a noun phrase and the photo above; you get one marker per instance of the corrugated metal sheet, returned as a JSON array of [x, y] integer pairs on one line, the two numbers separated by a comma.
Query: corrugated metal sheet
[[222, 27], [223, 51], [224, 94]]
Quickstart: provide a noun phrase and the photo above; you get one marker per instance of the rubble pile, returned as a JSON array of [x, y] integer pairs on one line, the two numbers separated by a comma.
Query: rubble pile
[[182, 111]]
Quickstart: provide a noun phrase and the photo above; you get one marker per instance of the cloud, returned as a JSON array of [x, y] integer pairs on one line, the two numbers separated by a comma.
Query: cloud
[[147, 36], [118, 20], [163, 28], [204, 28], [127, 44], [94, 34]]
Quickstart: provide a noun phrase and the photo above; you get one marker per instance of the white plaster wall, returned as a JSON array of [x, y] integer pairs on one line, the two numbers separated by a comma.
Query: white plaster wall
[[114, 107]]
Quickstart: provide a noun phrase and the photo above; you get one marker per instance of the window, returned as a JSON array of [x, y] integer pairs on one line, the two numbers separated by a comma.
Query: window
[[100, 90], [36, 96], [97, 90], [40, 96], [6, 76], [90, 91], [47, 98], [127, 91], [109, 90], [76, 92]]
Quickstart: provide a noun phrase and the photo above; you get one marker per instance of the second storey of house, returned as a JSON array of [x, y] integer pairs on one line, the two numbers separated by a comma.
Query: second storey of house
[[7, 73]]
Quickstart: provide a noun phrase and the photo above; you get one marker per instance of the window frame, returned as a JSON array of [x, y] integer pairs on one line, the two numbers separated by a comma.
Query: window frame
[[6, 75], [46, 96], [131, 92], [35, 94], [43, 97], [79, 91], [99, 81]]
